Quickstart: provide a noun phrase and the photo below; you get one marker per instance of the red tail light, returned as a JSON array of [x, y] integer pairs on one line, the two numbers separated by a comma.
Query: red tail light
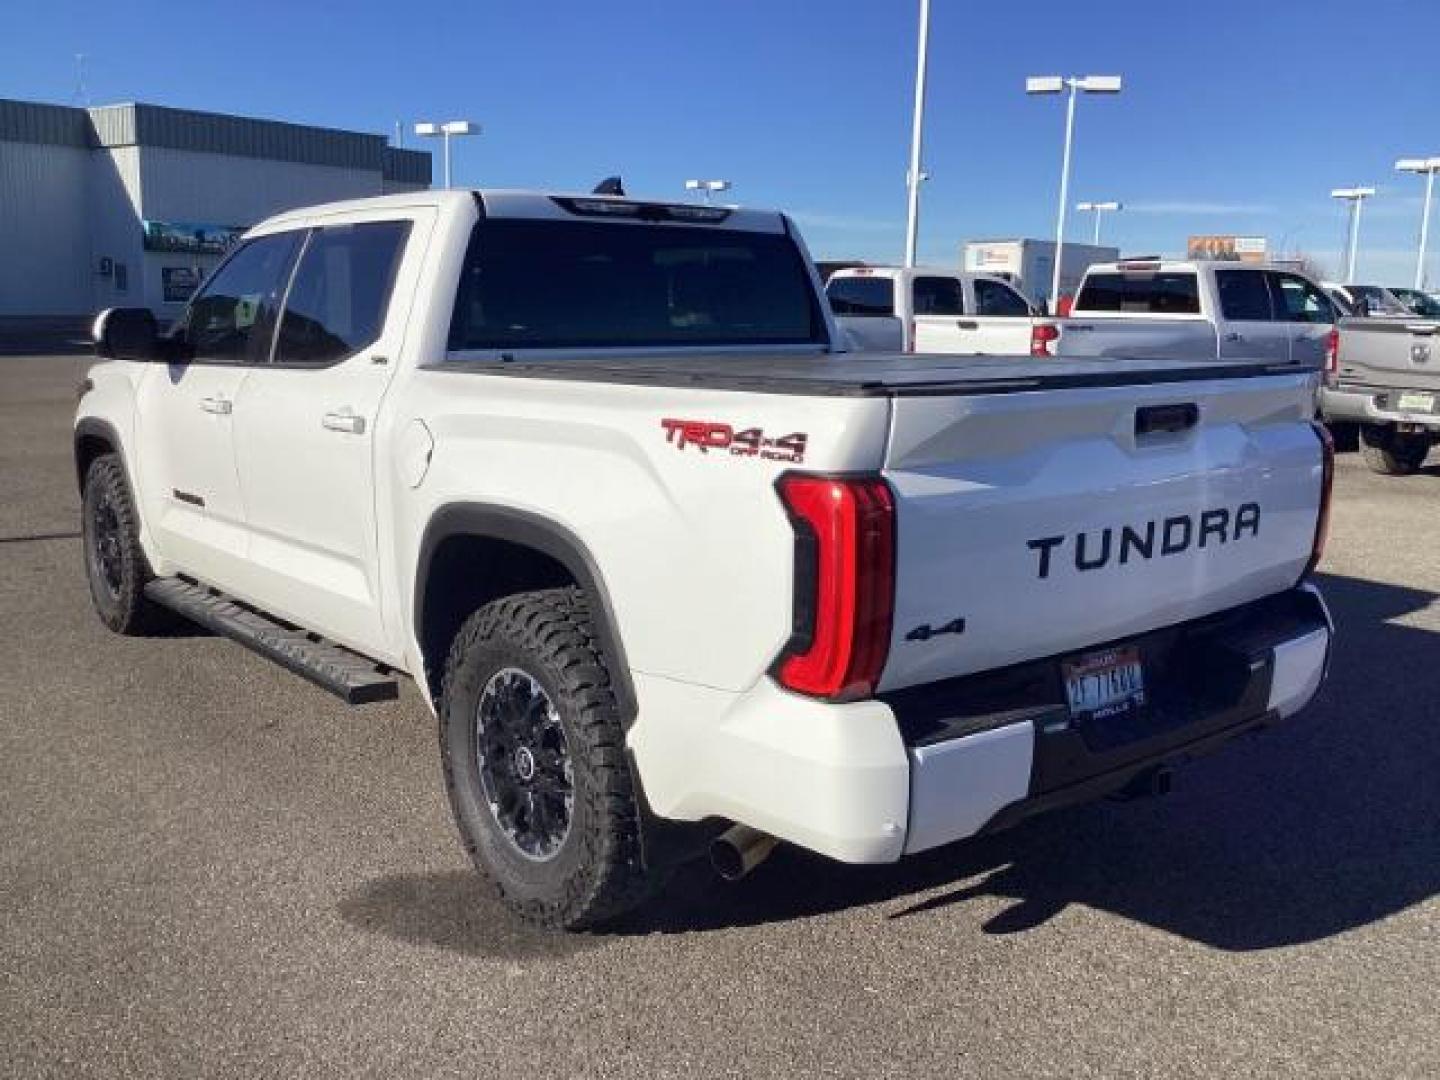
[[1332, 356], [844, 584], [1327, 482], [1042, 335]]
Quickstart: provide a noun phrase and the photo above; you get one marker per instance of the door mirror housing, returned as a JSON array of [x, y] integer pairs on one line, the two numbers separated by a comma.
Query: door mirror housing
[[127, 334]]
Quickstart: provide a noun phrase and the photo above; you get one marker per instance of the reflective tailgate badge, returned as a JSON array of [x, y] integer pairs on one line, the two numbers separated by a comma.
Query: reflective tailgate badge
[[1155, 539], [707, 435]]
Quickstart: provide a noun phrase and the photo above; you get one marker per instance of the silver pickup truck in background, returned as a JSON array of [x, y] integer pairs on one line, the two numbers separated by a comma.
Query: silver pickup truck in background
[[1385, 377], [1199, 311]]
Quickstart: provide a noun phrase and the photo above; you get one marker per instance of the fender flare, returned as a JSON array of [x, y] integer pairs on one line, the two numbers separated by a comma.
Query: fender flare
[[524, 529], [100, 429]]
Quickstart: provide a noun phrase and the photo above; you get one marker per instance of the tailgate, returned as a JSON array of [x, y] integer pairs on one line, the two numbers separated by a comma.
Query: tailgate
[[1383, 352], [1038, 523], [1173, 339]]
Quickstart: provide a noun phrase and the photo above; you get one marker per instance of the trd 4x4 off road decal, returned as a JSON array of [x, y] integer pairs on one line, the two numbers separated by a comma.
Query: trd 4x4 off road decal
[[707, 435]]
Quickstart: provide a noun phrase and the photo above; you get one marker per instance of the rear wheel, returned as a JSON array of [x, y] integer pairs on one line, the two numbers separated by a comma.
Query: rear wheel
[[1392, 454], [534, 761], [114, 562]]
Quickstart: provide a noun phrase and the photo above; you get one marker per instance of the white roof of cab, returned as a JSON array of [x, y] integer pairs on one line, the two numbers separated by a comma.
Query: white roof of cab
[[503, 203]]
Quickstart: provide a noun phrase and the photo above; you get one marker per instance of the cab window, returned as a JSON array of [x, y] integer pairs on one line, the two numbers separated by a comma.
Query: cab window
[[939, 296], [232, 319], [872, 297], [336, 305], [1299, 300], [993, 298], [1244, 296]]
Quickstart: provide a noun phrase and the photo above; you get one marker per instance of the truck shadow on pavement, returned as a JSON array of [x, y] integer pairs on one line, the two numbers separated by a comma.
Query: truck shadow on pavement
[[1324, 824]]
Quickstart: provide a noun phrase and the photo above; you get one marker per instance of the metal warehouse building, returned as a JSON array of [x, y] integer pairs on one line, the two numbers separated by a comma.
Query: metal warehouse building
[[132, 204]]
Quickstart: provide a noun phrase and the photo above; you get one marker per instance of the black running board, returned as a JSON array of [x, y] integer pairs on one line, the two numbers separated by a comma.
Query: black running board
[[349, 676]]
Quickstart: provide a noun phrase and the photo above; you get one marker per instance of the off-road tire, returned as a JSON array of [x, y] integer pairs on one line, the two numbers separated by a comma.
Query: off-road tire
[[119, 596], [597, 872], [1393, 455]]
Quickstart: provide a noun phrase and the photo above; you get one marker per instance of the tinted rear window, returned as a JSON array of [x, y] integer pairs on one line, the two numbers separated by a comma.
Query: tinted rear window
[[874, 296], [1141, 293], [582, 284]]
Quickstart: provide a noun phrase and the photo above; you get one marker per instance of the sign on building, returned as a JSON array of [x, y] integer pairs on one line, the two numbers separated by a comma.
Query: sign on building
[[1245, 249]]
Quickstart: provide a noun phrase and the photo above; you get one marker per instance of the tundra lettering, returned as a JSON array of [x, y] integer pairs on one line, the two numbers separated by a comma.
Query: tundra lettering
[[1093, 551]]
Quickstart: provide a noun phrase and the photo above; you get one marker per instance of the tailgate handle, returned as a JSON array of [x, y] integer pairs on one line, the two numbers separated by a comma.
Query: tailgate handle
[[1150, 419], [967, 324]]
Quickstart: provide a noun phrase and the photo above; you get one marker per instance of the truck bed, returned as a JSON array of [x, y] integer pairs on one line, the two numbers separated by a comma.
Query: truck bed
[[892, 375]]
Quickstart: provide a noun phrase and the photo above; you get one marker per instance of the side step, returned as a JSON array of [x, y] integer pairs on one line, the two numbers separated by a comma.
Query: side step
[[349, 676]]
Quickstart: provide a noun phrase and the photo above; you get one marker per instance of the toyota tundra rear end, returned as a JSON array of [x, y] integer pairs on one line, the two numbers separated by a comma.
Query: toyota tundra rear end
[[1060, 580]]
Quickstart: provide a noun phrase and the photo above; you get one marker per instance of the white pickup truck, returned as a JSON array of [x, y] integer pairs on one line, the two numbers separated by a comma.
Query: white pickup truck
[[673, 572], [917, 310], [1200, 311]]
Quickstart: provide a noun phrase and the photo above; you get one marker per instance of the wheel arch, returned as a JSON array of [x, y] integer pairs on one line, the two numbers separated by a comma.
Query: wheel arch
[[516, 551], [92, 438]]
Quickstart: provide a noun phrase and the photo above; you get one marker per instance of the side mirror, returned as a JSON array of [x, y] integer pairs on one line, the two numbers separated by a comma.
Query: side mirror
[[1362, 308], [126, 334]]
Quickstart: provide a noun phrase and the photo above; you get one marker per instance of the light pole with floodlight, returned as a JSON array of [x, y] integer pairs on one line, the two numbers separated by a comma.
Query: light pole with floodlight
[[1056, 84], [1098, 208], [1428, 166], [445, 131], [1356, 197], [709, 187]]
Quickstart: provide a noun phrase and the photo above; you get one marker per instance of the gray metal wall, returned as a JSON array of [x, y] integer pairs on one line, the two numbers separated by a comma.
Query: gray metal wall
[[75, 185], [44, 234]]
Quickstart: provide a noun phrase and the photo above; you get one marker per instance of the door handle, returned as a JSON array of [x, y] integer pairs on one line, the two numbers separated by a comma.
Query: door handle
[[346, 421], [216, 405], [1232, 336], [966, 324]]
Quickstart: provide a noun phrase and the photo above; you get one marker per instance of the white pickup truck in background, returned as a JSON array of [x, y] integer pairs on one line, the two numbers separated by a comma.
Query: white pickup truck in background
[[1200, 311], [673, 569], [918, 310]]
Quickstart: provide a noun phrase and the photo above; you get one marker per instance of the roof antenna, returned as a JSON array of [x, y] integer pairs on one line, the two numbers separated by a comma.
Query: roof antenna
[[611, 185]]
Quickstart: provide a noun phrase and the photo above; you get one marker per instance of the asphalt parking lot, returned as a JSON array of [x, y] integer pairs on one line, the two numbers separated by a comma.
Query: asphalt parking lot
[[209, 867]]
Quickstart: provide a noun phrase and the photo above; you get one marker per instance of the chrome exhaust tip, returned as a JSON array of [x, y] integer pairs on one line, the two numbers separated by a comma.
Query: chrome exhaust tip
[[740, 849]]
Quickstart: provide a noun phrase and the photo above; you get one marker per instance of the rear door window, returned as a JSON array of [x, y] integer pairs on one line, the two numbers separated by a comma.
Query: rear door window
[[1244, 295], [862, 296], [939, 296], [337, 303], [993, 298], [1141, 293]]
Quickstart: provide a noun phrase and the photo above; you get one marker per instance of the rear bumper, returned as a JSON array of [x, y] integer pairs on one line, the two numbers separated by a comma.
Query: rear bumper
[[1367, 405], [1208, 681], [875, 780]]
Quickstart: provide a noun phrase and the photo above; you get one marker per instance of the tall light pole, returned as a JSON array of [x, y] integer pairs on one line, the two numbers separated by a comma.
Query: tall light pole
[[1356, 197], [914, 177], [709, 187], [446, 130], [1055, 84], [1098, 208], [1428, 166]]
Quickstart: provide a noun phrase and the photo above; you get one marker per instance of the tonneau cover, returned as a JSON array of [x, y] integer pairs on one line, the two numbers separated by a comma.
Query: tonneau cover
[[860, 375]]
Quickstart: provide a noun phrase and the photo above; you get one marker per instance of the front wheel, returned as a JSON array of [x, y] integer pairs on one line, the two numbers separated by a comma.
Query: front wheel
[[533, 751], [114, 562], [1392, 454]]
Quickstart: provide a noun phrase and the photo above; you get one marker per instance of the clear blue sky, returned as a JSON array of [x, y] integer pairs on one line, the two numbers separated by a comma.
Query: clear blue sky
[[1236, 116]]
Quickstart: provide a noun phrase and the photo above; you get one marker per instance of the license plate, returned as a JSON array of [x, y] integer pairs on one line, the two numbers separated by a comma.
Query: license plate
[[1105, 683], [1413, 402]]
